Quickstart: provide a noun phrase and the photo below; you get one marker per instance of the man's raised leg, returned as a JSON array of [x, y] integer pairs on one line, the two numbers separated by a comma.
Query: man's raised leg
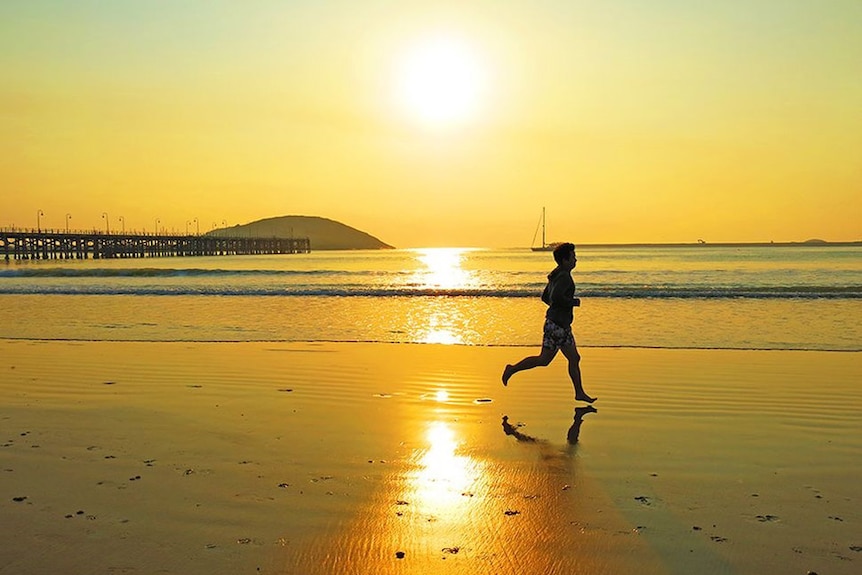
[[544, 358]]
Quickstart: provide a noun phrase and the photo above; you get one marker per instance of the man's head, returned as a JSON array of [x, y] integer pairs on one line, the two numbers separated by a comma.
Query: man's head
[[563, 251]]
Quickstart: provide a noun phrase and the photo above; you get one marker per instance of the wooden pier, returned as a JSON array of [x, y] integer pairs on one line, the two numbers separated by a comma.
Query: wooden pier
[[49, 245]]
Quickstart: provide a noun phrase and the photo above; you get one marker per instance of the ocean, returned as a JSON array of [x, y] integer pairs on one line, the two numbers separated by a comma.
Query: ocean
[[801, 297]]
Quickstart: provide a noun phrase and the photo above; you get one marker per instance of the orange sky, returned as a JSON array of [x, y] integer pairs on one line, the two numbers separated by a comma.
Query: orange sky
[[630, 121]]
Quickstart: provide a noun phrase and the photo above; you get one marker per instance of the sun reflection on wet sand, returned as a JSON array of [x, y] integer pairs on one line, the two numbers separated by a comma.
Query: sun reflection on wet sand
[[456, 494], [443, 477], [448, 510]]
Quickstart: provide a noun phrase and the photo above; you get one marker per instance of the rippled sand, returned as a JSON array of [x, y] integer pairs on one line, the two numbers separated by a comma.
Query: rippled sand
[[382, 458]]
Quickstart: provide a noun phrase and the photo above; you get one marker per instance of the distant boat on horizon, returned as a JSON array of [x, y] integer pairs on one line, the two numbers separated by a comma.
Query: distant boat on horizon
[[545, 247]]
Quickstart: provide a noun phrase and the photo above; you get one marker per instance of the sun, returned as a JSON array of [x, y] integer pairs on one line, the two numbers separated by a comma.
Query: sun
[[439, 82]]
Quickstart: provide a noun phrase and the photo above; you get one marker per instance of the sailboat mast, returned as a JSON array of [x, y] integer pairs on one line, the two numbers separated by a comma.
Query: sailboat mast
[[543, 226]]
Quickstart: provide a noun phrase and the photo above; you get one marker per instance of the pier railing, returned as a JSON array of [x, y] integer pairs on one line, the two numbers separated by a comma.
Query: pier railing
[[44, 245]]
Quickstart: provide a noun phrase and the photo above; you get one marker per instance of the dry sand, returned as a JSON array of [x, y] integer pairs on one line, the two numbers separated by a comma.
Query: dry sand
[[339, 458]]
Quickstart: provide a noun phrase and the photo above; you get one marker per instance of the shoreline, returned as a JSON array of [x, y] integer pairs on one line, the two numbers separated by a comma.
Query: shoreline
[[625, 245], [805, 244], [524, 346], [332, 457]]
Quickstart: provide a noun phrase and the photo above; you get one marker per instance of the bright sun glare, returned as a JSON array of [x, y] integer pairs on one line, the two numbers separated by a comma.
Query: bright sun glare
[[440, 82], [443, 269]]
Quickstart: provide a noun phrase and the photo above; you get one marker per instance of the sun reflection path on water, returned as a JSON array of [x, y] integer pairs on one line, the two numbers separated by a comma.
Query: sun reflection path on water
[[441, 335], [442, 270]]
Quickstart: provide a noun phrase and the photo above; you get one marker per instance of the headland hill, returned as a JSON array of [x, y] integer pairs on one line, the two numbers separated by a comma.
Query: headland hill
[[324, 234]]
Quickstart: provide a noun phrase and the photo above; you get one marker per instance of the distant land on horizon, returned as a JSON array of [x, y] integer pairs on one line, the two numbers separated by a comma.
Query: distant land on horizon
[[327, 234], [324, 234], [812, 243]]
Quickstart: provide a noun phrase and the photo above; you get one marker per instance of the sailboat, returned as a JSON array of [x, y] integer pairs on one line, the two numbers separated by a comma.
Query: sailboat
[[544, 247]]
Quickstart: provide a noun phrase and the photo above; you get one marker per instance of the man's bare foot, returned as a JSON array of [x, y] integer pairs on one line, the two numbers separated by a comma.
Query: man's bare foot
[[585, 397], [507, 373], [583, 410]]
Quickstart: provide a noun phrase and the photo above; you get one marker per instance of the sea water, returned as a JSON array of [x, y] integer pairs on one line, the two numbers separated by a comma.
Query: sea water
[[803, 297]]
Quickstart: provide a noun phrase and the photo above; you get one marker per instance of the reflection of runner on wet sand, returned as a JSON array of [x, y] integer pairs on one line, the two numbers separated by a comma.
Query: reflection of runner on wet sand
[[575, 430], [512, 430], [571, 435]]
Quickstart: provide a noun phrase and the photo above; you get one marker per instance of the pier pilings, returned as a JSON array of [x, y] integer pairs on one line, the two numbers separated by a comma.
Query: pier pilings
[[49, 245]]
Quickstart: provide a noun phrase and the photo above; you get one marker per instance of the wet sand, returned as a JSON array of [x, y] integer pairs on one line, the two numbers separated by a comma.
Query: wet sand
[[378, 458]]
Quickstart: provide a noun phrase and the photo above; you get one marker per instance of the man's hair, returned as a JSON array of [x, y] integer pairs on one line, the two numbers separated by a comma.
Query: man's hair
[[562, 251]]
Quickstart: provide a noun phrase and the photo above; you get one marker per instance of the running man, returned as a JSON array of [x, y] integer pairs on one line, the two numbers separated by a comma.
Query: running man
[[559, 295]]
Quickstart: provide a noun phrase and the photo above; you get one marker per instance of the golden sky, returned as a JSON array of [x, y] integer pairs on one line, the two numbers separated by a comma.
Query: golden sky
[[438, 123]]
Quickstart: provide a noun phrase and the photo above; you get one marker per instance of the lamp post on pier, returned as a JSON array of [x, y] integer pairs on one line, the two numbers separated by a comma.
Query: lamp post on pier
[[158, 221], [68, 217], [187, 226], [39, 214], [123, 221], [197, 226], [107, 222]]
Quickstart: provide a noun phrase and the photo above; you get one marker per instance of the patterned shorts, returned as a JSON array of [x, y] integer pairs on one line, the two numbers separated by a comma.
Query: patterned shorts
[[556, 336]]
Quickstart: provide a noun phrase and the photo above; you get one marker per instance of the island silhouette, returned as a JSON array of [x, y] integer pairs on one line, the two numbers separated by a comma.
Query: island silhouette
[[325, 234]]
